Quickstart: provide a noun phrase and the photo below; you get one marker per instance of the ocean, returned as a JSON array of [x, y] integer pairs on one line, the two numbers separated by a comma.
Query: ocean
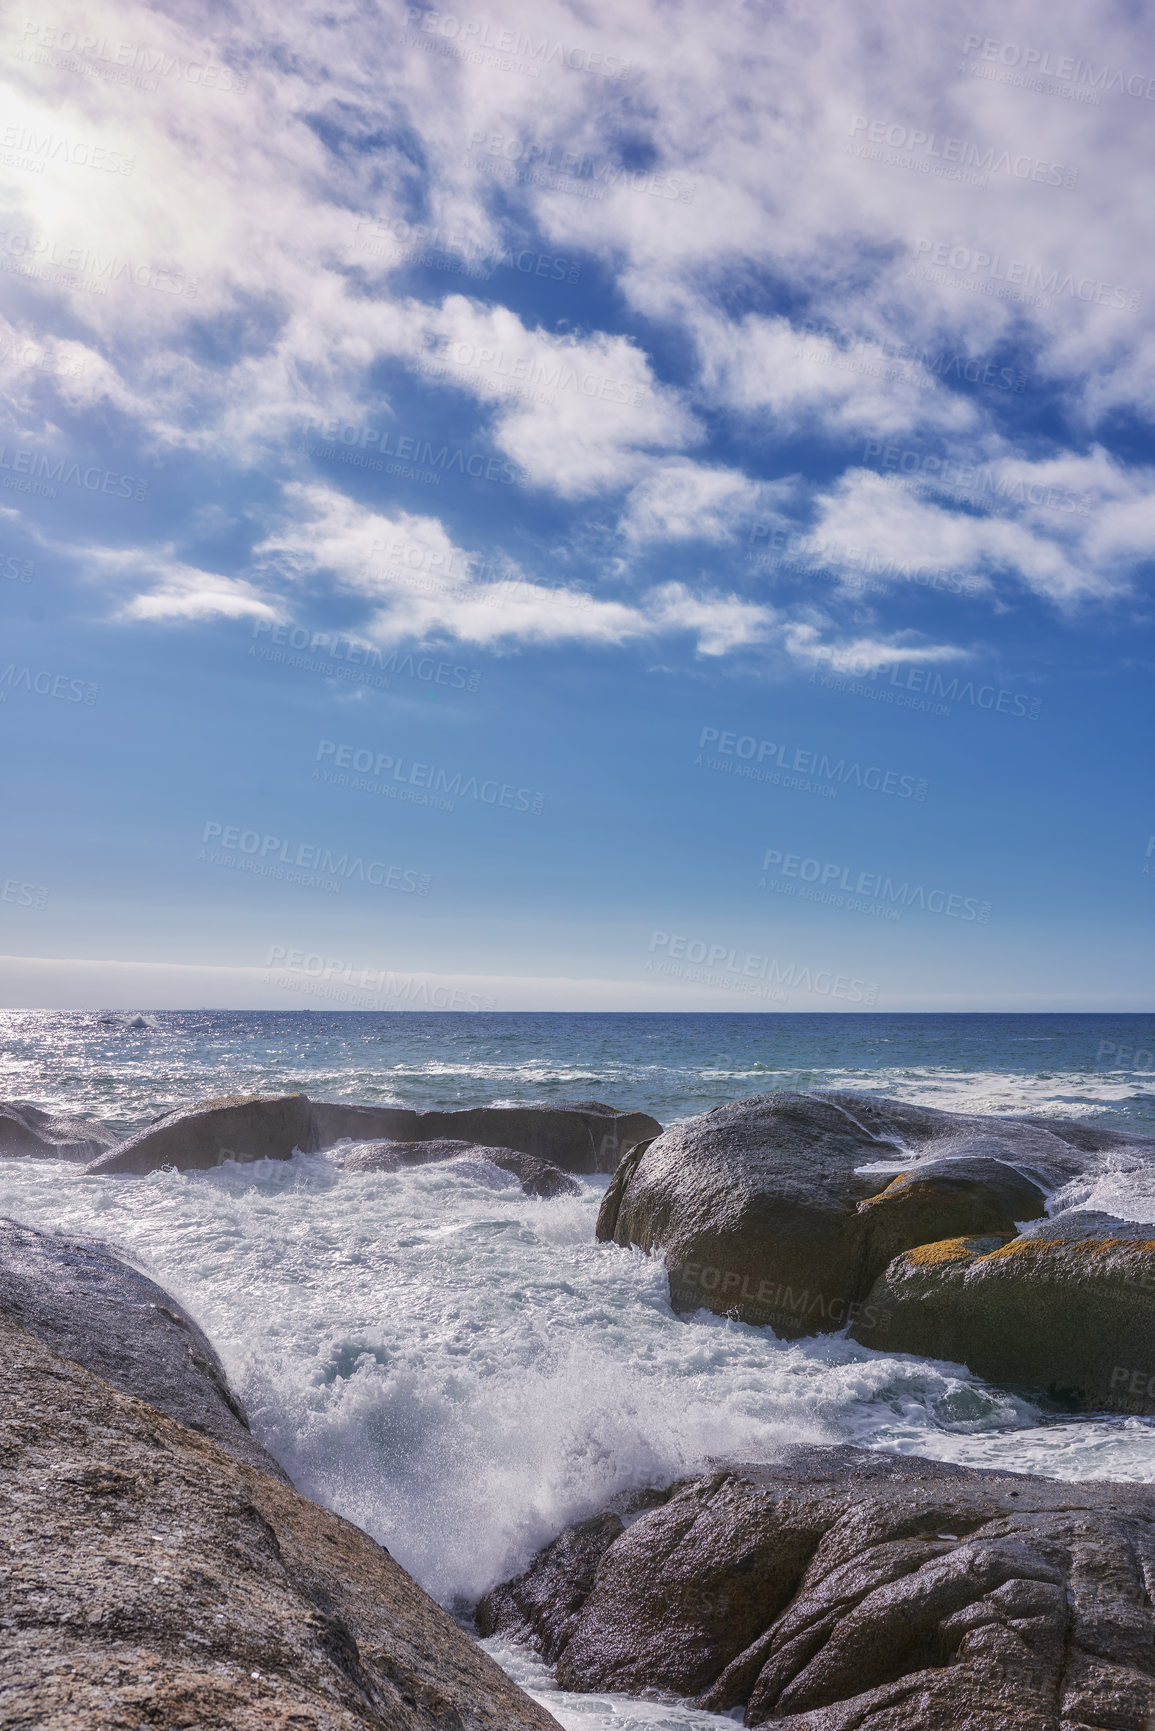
[[461, 1369]]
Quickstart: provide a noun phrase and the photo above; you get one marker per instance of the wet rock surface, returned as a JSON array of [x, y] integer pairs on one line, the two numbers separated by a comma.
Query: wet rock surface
[[83, 1302], [785, 1209], [1068, 1307], [238, 1127], [31, 1131], [538, 1177], [153, 1575], [583, 1136], [843, 1590]]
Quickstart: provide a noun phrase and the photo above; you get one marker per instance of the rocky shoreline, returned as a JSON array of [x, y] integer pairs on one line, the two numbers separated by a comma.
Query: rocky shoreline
[[836, 1589]]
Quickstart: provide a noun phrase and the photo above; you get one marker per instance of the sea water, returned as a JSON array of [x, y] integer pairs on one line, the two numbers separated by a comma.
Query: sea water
[[461, 1369]]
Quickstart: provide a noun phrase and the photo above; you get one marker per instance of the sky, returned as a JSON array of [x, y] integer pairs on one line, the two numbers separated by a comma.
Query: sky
[[619, 506]]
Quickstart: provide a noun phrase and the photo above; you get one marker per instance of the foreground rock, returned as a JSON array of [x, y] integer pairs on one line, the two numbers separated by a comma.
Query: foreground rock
[[764, 1211], [34, 1132], [152, 1576], [847, 1591], [538, 1178], [1068, 1307], [82, 1302], [582, 1136]]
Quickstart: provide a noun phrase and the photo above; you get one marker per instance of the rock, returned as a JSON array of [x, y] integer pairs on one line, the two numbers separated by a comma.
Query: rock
[[87, 1305], [537, 1177], [578, 1136], [240, 1127], [1068, 1307], [30, 1131], [582, 1137], [850, 1591], [153, 1577], [763, 1210]]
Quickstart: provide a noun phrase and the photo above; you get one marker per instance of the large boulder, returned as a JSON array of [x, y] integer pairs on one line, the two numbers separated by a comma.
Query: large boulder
[[239, 1127], [1067, 1307], [85, 1304], [152, 1575], [785, 1208], [538, 1178], [849, 1591], [582, 1136], [36, 1132]]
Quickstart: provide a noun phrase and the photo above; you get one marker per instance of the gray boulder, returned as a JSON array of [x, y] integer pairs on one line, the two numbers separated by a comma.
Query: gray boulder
[[239, 1127], [576, 1137], [849, 1591], [764, 1211], [153, 1574], [31, 1131], [85, 1304], [538, 1178], [581, 1136]]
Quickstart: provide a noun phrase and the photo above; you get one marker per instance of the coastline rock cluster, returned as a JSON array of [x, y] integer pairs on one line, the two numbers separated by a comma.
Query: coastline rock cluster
[[841, 1590], [837, 1590]]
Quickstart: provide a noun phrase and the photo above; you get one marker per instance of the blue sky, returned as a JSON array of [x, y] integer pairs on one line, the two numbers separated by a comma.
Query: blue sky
[[602, 507]]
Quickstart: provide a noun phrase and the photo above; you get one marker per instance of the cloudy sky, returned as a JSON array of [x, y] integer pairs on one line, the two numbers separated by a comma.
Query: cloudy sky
[[577, 505]]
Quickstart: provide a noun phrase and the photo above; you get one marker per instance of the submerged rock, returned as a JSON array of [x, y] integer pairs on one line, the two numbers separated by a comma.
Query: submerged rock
[[575, 1137], [155, 1575], [538, 1178], [784, 1209], [1067, 1307], [33, 1131], [850, 1591]]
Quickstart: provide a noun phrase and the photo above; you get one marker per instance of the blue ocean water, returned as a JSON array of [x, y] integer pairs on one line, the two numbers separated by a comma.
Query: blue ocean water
[[461, 1369], [673, 1066]]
